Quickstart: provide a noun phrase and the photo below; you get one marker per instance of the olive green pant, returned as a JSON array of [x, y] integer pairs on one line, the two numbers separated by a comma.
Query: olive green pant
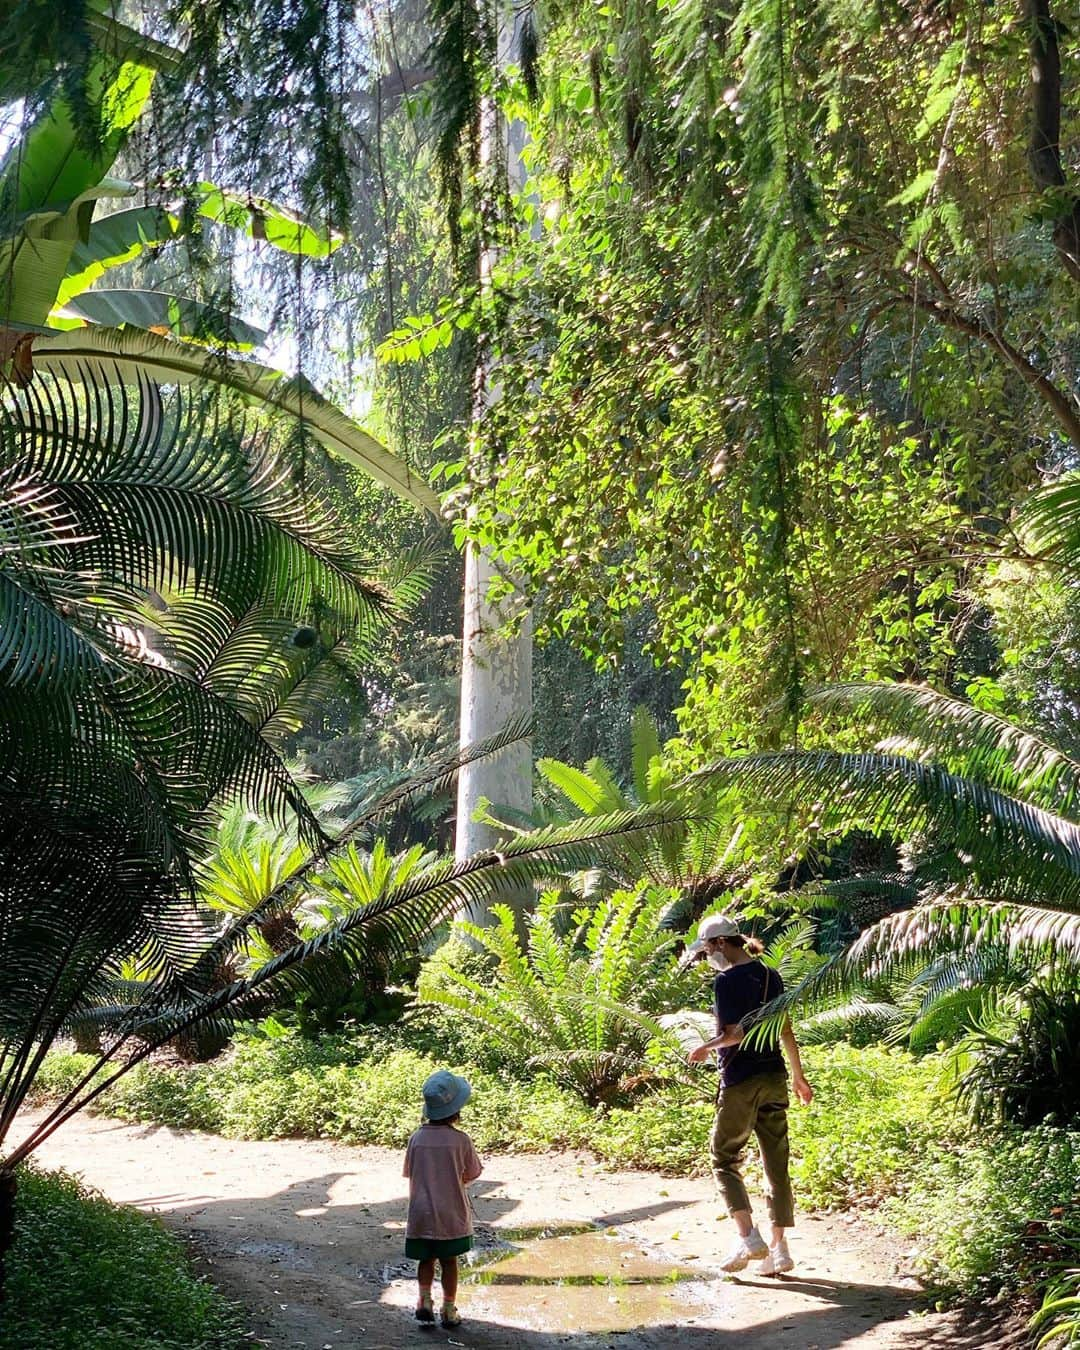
[[758, 1106]]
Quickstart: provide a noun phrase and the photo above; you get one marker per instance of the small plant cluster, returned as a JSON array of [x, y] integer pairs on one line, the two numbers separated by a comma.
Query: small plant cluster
[[85, 1274]]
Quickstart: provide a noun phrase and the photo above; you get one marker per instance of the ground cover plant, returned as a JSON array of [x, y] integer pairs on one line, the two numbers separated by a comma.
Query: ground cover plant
[[85, 1274]]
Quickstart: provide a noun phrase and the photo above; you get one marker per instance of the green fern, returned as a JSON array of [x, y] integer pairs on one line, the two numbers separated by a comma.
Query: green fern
[[579, 1000]]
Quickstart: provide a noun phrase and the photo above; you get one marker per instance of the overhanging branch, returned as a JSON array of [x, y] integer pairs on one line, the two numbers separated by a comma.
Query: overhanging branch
[[1063, 407]]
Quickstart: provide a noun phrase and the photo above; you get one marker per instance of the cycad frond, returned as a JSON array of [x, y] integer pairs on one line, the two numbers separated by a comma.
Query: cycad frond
[[645, 746], [120, 355], [857, 1015], [1051, 520], [434, 776], [966, 739], [397, 922], [901, 946], [175, 490], [1017, 850]]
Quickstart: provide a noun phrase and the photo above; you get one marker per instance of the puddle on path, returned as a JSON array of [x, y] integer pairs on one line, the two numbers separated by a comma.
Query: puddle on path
[[573, 1280]]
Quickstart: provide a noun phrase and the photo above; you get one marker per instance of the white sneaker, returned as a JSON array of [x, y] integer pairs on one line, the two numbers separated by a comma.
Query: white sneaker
[[778, 1261], [752, 1247]]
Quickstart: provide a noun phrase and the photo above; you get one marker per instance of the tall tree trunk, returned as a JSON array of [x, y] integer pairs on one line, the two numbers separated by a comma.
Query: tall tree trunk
[[496, 670], [496, 685], [1044, 146]]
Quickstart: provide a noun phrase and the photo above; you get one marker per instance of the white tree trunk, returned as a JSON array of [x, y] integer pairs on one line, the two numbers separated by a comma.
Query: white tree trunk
[[496, 686], [496, 670]]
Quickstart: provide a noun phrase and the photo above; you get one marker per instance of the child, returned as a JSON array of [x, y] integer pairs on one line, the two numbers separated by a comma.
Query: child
[[439, 1163]]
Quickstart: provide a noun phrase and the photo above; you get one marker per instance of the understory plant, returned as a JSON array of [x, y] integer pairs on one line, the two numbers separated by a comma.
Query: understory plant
[[580, 998], [1057, 1323], [86, 1274]]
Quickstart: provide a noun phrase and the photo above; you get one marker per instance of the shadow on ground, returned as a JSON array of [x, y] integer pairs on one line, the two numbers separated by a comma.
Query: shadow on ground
[[308, 1237]]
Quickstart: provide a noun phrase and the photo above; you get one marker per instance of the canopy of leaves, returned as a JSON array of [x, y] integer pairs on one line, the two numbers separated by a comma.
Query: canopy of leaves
[[782, 324]]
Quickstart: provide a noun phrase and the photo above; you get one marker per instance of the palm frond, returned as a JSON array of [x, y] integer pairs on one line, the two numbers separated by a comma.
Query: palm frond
[[397, 922], [1014, 849], [856, 1015], [175, 489], [969, 741], [901, 946], [1051, 520], [123, 355]]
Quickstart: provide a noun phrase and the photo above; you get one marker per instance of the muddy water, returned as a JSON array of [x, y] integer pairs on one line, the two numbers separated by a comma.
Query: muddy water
[[567, 1280]]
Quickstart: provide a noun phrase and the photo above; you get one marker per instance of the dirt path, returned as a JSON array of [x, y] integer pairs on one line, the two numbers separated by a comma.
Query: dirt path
[[308, 1236]]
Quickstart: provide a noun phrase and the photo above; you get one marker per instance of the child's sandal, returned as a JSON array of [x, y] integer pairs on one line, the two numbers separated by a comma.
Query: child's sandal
[[425, 1313]]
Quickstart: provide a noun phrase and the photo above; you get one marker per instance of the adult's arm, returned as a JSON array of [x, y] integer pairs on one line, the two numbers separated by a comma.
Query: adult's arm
[[731, 1034], [803, 1090]]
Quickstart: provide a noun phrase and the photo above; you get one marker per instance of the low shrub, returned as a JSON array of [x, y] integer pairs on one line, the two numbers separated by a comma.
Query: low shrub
[[667, 1130], [980, 1210], [85, 1274], [875, 1111]]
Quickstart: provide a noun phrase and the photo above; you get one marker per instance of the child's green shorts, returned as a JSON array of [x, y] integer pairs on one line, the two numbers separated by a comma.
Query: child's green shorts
[[430, 1249]]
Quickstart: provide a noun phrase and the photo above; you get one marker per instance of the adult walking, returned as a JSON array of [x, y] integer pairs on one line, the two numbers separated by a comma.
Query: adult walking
[[753, 1092]]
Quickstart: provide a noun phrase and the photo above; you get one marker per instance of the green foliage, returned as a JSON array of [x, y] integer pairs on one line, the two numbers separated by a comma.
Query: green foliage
[[1057, 1322], [1020, 1062], [873, 1109], [580, 1000], [85, 1274], [980, 1207], [875, 1113]]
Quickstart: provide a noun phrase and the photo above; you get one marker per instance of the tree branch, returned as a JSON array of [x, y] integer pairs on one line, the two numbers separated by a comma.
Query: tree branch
[[1063, 408]]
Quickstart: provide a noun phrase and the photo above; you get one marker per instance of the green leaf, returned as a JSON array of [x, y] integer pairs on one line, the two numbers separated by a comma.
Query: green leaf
[[112, 240], [645, 743], [52, 166], [576, 785], [35, 256], [916, 189], [128, 355], [184, 317], [264, 220]]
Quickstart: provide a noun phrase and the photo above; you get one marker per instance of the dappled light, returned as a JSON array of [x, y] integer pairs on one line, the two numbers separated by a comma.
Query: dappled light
[[539, 666]]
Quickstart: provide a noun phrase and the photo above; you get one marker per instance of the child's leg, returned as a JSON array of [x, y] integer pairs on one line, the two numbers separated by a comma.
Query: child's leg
[[448, 1274], [425, 1278]]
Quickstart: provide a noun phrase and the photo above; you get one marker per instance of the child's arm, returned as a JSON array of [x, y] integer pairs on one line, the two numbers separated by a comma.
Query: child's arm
[[406, 1170], [473, 1166]]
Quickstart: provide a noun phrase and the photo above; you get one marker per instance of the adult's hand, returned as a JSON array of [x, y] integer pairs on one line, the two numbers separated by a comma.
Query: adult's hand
[[699, 1054], [803, 1090]]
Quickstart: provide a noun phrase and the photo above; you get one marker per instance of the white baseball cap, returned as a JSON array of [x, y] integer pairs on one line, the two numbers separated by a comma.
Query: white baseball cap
[[717, 926], [713, 926]]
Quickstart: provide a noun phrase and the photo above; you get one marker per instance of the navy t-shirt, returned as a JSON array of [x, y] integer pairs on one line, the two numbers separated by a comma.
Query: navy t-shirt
[[738, 991]]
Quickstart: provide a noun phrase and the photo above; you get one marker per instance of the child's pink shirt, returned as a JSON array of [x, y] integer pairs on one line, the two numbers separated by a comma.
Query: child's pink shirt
[[440, 1162]]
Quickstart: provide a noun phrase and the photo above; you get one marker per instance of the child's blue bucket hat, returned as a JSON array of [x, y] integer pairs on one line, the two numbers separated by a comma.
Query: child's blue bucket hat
[[444, 1095]]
